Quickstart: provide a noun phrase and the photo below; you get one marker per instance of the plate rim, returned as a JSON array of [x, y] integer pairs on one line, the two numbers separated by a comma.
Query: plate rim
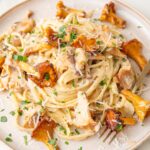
[[120, 2]]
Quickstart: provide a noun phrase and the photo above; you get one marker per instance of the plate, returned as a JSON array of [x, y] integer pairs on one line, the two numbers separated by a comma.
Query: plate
[[138, 27]]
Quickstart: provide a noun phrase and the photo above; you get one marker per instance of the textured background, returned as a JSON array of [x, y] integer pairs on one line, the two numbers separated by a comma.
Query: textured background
[[141, 5]]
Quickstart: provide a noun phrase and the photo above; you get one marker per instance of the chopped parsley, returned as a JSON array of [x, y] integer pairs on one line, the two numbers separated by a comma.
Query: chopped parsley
[[62, 32], [119, 127], [73, 36], [19, 77], [103, 82], [20, 58], [47, 76], [12, 113], [3, 119], [25, 102], [80, 148], [10, 93], [39, 102], [25, 139], [10, 38], [124, 60], [21, 49], [9, 138], [114, 44], [66, 142], [77, 132], [53, 142], [62, 45], [20, 112], [55, 92], [121, 36], [61, 128], [99, 42], [115, 60], [73, 83]]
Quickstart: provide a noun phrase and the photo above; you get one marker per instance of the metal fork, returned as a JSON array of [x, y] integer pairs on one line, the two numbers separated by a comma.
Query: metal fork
[[106, 135]]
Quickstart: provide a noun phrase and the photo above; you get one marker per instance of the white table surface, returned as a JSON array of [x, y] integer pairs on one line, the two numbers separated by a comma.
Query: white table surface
[[142, 5]]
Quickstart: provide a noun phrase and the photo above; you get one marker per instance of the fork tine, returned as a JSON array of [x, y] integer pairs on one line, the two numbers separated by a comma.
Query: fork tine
[[106, 135], [102, 131], [111, 137]]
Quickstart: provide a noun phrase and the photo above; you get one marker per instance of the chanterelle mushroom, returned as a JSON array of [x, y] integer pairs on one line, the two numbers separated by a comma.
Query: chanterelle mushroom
[[109, 15], [86, 43], [141, 106], [115, 122], [133, 49], [44, 132], [63, 11], [48, 76]]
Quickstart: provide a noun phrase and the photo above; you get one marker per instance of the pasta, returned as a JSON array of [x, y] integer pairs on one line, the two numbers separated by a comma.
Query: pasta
[[68, 73]]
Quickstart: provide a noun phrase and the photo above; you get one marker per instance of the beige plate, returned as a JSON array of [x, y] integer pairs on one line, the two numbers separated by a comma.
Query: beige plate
[[131, 136]]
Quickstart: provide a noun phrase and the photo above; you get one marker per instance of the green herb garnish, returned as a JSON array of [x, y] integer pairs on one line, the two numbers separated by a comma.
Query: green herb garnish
[[119, 127], [25, 102], [124, 60], [80, 148], [47, 76], [77, 132], [21, 49], [103, 82], [20, 112], [12, 113], [66, 142], [39, 102], [25, 139], [53, 142], [55, 92], [62, 45], [20, 58], [61, 128], [73, 83], [99, 42], [8, 139], [62, 32], [73, 36], [3, 119]]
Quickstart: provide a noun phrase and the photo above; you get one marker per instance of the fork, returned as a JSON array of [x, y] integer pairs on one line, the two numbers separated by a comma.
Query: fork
[[106, 135]]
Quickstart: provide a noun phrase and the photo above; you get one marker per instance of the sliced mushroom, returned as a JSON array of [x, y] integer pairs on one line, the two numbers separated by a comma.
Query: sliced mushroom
[[15, 41], [63, 11], [80, 59], [126, 76], [133, 49], [82, 114], [85, 43], [109, 15], [26, 25], [141, 106], [44, 132], [48, 76]]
